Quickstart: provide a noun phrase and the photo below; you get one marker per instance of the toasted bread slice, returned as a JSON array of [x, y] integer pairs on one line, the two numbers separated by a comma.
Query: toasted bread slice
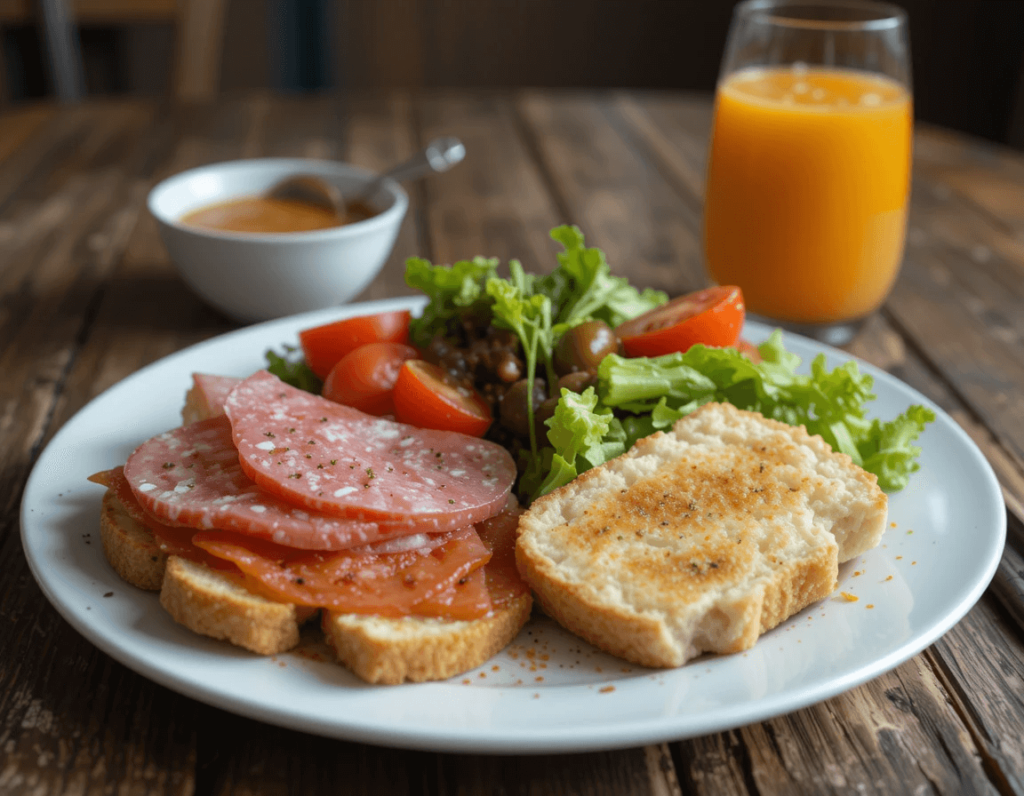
[[700, 539], [218, 605], [130, 547], [391, 651], [378, 649]]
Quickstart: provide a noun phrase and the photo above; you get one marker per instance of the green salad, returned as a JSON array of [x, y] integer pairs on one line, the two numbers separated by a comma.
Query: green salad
[[635, 397]]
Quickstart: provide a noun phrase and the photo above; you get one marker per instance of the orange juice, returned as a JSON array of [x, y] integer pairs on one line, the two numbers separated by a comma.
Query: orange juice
[[807, 190]]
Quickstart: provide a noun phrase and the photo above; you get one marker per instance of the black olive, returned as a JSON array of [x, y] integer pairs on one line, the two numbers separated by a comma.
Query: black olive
[[578, 381], [542, 413], [512, 413], [438, 348], [584, 346], [453, 362]]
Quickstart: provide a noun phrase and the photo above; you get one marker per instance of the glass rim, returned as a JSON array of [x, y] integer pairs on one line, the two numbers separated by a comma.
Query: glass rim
[[880, 15]]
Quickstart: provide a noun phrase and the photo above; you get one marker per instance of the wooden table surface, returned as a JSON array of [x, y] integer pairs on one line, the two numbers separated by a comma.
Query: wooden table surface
[[88, 296]]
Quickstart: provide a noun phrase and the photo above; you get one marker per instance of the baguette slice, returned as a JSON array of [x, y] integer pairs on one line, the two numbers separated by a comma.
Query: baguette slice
[[700, 539], [218, 605], [130, 547], [381, 650], [377, 649], [205, 601]]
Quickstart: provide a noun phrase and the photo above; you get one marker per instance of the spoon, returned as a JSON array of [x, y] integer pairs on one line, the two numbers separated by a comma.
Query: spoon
[[440, 155]]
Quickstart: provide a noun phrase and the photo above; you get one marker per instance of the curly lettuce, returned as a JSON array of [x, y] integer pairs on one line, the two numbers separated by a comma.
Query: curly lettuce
[[539, 309], [636, 397], [649, 394]]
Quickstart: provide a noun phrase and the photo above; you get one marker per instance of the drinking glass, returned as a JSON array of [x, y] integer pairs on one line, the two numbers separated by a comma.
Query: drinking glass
[[809, 168]]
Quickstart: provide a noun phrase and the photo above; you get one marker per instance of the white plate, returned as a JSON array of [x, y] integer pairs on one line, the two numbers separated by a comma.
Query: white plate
[[548, 691]]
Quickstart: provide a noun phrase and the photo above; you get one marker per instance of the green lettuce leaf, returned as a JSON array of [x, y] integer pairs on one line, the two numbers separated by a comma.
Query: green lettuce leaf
[[452, 289], [649, 394], [583, 288], [291, 368], [517, 307], [887, 449], [582, 436]]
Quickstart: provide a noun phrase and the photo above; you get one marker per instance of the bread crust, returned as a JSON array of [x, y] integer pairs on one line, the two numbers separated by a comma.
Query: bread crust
[[215, 604], [377, 649], [700, 539], [130, 547], [391, 651]]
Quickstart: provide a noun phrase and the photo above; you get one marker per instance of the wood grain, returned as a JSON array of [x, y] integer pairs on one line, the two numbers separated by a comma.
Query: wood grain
[[615, 193], [380, 133], [88, 296], [199, 42], [496, 203]]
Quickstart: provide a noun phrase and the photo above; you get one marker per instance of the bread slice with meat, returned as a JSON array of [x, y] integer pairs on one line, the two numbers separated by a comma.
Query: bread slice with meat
[[417, 649], [130, 547], [377, 649], [700, 539], [208, 602], [218, 605]]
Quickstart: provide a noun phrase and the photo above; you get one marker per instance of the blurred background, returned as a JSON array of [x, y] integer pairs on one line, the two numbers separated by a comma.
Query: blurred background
[[968, 55]]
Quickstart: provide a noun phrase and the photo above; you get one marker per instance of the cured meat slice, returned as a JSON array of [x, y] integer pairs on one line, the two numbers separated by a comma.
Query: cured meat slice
[[172, 540], [335, 459], [387, 584], [191, 476], [206, 397], [499, 536]]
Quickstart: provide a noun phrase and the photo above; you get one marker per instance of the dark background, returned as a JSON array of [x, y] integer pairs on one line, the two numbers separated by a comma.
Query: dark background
[[968, 55]]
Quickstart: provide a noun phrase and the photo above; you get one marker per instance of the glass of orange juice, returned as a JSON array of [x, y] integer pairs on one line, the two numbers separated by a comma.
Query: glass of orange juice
[[809, 167]]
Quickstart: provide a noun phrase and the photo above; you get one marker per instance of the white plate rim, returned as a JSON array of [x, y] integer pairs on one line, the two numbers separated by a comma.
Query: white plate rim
[[515, 738]]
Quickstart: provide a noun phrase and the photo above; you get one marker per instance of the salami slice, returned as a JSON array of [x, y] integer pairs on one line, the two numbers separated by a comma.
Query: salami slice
[[335, 459], [191, 476], [172, 540]]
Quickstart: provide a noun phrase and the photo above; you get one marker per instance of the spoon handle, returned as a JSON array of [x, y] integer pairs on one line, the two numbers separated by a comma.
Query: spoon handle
[[440, 155]]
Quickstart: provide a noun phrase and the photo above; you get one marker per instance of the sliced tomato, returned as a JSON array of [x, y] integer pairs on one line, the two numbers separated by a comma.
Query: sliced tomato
[[426, 397], [713, 317], [365, 378], [324, 345]]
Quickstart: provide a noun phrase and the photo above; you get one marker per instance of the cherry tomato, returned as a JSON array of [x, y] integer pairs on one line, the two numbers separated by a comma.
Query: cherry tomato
[[325, 345], [713, 317], [425, 396], [364, 378]]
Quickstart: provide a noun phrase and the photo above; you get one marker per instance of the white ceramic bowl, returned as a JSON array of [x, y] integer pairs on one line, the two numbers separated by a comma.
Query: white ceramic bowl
[[255, 277]]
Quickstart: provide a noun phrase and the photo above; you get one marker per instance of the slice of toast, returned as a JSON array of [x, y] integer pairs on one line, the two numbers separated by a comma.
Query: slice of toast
[[382, 650], [208, 602], [700, 539], [215, 604], [130, 547], [377, 649]]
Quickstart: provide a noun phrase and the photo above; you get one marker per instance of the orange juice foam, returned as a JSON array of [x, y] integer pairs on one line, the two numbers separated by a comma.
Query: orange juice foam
[[807, 190]]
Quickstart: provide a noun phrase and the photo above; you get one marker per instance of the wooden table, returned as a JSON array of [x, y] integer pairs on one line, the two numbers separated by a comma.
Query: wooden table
[[87, 296]]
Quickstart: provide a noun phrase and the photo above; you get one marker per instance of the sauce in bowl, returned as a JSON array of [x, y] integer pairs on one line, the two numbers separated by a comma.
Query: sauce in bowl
[[263, 214]]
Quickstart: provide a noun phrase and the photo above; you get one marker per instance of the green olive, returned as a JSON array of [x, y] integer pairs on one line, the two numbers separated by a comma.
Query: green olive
[[584, 346], [513, 413]]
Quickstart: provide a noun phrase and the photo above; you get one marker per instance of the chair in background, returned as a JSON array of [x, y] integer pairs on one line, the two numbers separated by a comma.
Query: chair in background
[[198, 38]]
